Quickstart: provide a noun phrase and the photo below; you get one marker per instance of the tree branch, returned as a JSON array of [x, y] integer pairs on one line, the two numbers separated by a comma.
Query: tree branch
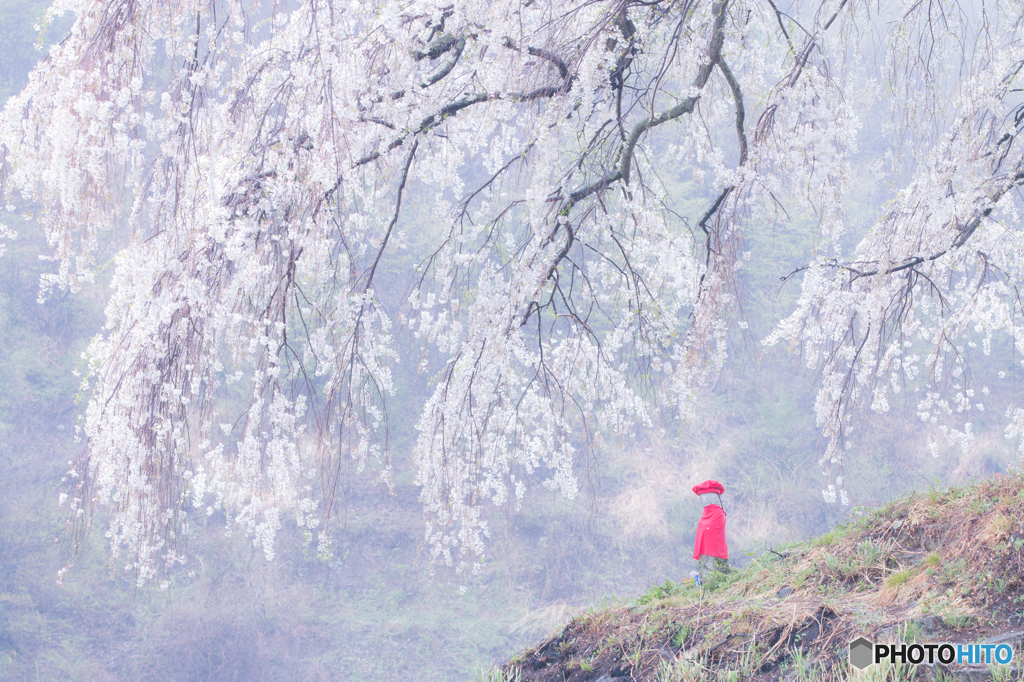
[[546, 55], [394, 218], [686, 106], [737, 96]]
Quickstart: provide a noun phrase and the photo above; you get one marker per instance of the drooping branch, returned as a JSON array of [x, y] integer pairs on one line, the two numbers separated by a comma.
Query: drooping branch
[[964, 233], [626, 152], [453, 108], [835, 14], [686, 106], [782, 27], [703, 222], [737, 96], [394, 218]]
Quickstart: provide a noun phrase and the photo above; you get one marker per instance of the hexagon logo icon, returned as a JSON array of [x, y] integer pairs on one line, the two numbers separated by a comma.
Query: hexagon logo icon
[[861, 653]]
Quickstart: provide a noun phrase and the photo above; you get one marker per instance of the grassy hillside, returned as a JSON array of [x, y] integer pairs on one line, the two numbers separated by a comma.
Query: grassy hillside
[[944, 566]]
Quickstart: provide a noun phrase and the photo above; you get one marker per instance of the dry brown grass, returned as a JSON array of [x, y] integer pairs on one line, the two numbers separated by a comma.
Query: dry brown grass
[[658, 473], [543, 620], [997, 529], [655, 475]]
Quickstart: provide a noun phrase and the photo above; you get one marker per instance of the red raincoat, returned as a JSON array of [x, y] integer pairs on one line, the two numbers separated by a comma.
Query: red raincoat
[[711, 528]]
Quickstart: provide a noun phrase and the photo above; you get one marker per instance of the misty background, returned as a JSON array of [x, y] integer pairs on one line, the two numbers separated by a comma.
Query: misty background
[[376, 610]]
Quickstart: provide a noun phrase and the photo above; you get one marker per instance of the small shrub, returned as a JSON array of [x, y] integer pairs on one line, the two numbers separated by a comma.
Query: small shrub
[[680, 670], [898, 579], [751, 659], [682, 635], [802, 666], [658, 592], [956, 619], [1000, 673], [841, 569], [954, 570], [911, 632]]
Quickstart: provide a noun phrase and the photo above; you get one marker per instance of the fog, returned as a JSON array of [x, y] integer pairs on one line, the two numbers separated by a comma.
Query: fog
[[378, 609]]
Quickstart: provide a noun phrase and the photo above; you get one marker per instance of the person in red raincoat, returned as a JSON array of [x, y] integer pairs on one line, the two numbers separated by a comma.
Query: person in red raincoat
[[711, 529]]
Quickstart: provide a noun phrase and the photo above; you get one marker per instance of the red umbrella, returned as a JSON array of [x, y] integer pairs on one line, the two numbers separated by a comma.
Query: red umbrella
[[711, 527]]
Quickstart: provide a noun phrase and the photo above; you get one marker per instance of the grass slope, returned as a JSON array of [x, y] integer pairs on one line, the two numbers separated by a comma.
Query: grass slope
[[944, 566]]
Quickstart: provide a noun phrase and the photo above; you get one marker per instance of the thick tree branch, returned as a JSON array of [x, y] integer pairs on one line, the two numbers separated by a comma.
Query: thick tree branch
[[438, 47], [459, 47], [737, 96], [687, 105], [546, 55]]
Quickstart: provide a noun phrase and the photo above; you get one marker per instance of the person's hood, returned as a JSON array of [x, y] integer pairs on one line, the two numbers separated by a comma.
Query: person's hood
[[709, 486]]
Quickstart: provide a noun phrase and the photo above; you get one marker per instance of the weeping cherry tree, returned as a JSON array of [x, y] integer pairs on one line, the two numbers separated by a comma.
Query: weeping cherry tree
[[263, 159]]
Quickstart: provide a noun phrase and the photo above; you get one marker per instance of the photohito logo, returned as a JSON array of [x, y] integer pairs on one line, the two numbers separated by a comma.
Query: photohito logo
[[863, 653]]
